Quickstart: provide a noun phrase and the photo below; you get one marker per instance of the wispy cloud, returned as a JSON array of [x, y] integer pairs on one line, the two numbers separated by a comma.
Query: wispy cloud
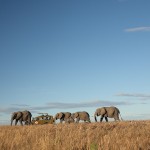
[[138, 29], [61, 105], [136, 95], [9, 110], [21, 105], [85, 104]]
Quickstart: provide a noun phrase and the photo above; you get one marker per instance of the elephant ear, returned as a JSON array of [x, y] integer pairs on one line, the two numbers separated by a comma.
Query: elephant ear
[[76, 114], [97, 112], [56, 116], [25, 114], [19, 114], [14, 115], [103, 111], [61, 115]]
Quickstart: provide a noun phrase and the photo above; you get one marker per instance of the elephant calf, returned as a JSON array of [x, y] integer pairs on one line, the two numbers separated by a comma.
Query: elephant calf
[[81, 116]]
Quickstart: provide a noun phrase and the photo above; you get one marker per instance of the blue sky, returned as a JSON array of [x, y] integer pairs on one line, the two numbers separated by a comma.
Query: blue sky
[[74, 55]]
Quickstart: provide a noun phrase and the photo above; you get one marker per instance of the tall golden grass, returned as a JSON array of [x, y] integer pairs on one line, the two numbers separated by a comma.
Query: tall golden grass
[[129, 135]]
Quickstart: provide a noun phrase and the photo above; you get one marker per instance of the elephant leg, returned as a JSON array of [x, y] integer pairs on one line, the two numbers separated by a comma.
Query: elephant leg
[[27, 123], [66, 120], [16, 121], [61, 120], [101, 119], [106, 119], [116, 119], [116, 116], [88, 120], [21, 122], [78, 119]]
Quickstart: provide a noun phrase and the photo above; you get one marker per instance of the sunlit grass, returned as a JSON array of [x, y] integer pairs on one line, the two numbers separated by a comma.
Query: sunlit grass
[[132, 135]]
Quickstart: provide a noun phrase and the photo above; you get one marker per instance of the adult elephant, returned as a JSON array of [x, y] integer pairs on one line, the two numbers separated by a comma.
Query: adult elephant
[[110, 112], [21, 116], [81, 116], [63, 116]]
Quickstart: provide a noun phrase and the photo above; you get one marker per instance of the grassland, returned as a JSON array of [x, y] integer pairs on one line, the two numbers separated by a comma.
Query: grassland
[[129, 135]]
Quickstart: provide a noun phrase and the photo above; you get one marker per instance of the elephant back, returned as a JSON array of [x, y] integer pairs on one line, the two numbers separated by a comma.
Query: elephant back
[[17, 115], [67, 115], [26, 115], [84, 115], [110, 111], [117, 110]]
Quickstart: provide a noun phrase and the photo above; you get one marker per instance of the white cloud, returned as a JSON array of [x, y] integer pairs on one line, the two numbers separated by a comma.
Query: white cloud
[[138, 29]]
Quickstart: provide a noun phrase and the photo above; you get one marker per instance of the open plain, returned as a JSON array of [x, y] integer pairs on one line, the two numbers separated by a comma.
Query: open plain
[[127, 135]]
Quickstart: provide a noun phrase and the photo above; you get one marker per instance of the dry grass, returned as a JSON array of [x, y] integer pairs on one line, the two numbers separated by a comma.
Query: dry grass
[[133, 135]]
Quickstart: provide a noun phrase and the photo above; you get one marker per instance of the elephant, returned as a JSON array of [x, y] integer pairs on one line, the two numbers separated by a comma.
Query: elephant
[[107, 112], [81, 116], [71, 120], [21, 116], [63, 116]]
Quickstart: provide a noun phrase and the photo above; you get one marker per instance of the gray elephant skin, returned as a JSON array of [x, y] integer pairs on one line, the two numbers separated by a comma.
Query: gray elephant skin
[[71, 120], [21, 116], [81, 116], [63, 116], [107, 112]]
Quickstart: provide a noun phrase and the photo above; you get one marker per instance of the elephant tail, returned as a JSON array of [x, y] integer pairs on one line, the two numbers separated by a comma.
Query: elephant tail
[[11, 122]]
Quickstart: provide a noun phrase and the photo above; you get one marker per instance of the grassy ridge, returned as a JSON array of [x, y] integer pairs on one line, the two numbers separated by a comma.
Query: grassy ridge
[[83, 136]]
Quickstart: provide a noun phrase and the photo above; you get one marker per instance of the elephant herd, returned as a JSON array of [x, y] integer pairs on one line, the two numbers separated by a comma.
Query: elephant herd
[[67, 117]]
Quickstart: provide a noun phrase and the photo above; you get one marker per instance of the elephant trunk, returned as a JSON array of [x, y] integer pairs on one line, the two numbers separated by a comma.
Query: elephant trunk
[[12, 118], [95, 117], [55, 118], [29, 121], [11, 121]]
